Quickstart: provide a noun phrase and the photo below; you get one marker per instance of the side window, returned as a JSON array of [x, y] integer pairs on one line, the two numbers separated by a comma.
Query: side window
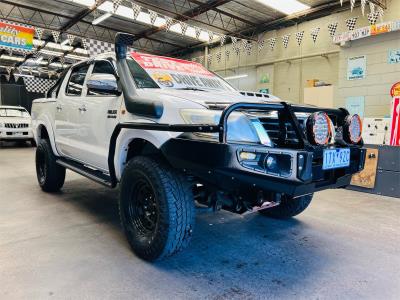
[[103, 67], [76, 80]]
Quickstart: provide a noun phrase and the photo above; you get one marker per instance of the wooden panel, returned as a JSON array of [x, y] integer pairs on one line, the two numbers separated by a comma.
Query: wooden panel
[[366, 178]]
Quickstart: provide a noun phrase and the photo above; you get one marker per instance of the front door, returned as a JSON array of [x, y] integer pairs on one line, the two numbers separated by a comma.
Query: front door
[[97, 120], [68, 108]]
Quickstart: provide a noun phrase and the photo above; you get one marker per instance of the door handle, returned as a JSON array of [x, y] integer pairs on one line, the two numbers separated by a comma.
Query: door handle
[[82, 109], [59, 108]]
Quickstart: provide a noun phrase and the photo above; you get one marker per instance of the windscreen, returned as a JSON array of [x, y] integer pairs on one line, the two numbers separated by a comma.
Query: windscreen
[[13, 112], [172, 73]]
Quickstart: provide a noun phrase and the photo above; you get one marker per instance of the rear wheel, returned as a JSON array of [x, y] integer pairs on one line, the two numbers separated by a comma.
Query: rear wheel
[[50, 175], [289, 207], [156, 208]]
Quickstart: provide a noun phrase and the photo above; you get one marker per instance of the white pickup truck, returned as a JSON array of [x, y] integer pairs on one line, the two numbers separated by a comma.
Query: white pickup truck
[[15, 124], [172, 134]]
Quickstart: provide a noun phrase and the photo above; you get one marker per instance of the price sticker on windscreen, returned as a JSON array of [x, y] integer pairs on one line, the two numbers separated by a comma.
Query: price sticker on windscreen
[[178, 74]]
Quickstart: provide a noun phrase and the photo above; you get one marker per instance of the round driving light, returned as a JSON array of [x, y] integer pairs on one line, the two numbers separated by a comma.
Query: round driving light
[[319, 128], [353, 129]]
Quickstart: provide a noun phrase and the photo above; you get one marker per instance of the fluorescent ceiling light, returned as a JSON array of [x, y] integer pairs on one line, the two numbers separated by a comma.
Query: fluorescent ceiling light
[[101, 18], [15, 58], [65, 42], [49, 52], [287, 7], [87, 3], [25, 75], [38, 43], [76, 57], [236, 77], [81, 51]]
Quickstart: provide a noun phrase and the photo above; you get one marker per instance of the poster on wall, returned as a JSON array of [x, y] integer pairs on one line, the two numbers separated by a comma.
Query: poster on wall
[[395, 90], [394, 56], [395, 123], [355, 105], [16, 36], [356, 67]]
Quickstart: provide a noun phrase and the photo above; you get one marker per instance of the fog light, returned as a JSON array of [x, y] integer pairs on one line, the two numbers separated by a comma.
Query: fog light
[[247, 156]]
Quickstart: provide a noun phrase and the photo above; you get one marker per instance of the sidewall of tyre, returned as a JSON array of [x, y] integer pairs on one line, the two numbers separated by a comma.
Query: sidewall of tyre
[[54, 177], [174, 197]]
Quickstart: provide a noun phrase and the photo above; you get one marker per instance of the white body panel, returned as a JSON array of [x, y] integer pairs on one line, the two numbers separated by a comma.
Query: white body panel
[[84, 136]]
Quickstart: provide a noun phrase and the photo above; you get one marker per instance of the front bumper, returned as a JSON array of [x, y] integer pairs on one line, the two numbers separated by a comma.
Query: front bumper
[[218, 164], [11, 134]]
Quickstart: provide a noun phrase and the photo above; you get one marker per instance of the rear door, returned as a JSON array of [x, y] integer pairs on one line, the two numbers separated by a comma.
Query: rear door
[[97, 120], [68, 110]]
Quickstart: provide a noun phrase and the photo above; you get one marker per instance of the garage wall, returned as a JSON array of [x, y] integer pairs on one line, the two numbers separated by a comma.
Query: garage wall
[[289, 68]]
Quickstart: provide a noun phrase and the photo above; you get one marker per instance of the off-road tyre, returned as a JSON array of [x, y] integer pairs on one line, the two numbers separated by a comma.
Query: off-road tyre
[[50, 175], [288, 208], [156, 208], [33, 142]]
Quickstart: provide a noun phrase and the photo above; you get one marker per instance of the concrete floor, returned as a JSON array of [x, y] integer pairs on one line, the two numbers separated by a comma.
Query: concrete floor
[[69, 246]]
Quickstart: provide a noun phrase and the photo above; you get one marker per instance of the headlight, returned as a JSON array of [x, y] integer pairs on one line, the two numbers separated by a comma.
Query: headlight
[[319, 128], [240, 128], [352, 129]]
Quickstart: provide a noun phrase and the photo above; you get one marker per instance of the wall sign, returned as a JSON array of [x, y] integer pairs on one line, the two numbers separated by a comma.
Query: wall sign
[[394, 56], [355, 105], [15, 36], [356, 67], [395, 123], [395, 90]]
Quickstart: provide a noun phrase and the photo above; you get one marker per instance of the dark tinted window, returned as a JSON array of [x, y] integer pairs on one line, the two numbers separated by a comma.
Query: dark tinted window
[[103, 67], [142, 79], [76, 80]]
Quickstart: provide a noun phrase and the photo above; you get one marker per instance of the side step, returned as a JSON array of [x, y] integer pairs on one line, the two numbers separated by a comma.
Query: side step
[[81, 169]]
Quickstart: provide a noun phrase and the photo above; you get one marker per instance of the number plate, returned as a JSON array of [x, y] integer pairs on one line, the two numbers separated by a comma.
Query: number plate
[[17, 133], [336, 158]]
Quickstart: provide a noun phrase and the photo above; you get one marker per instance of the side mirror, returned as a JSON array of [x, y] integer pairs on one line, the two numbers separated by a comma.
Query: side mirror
[[103, 84]]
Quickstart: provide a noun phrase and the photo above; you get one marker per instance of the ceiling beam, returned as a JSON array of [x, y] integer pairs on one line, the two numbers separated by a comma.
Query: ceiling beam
[[194, 12]]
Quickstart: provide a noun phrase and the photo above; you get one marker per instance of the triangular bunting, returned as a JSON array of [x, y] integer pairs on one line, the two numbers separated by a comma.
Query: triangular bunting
[[373, 17], [314, 33], [351, 23], [227, 54], [363, 4], [56, 35], [197, 32], [299, 37], [153, 17], [222, 40], [352, 4], [219, 56], [39, 32], [272, 43], [184, 27], [70, 38], [285, 40], [116, 4], [332, 27], [136, 9], [168, 23]]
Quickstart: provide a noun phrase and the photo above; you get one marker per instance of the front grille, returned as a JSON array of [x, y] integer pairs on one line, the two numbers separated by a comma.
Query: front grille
[[289, 137], [16, 125]]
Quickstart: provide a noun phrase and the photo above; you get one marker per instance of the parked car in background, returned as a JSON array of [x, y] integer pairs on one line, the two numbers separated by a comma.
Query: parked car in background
[[15, 124]]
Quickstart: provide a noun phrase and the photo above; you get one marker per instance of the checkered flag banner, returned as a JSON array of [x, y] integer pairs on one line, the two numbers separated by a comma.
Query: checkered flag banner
[[380, 13], [56, 35], [184, 27], [272, 43], [219, 56], [234, 42], [209, 59], [351, 23], [96, 47], [39, 32], [237, 50], [352, 3], [227, 54], [299, 37], [8, 69], [38, 85], [373, 18], [116, 4], [70, 38], [201, 59], [314, 33], [136, 10], [222, 40], [261, 44], [168, 23], [371, 7], [62, 60], [247, 46], [332, 27], [84, 43], [16, 76], [7, 76], [210, 36], [363, 4], [197, 32], [153, 16], [285, 40]]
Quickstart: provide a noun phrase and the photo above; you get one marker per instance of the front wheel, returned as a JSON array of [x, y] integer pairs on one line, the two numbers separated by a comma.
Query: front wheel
[[50, 175], [289, 207], [156, 208]]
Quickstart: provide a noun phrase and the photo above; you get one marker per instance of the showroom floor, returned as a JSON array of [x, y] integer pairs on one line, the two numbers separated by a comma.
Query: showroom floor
[[69, 245]]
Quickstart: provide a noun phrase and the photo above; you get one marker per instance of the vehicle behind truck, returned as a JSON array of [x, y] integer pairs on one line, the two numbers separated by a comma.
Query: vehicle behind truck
[[173, 135]]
